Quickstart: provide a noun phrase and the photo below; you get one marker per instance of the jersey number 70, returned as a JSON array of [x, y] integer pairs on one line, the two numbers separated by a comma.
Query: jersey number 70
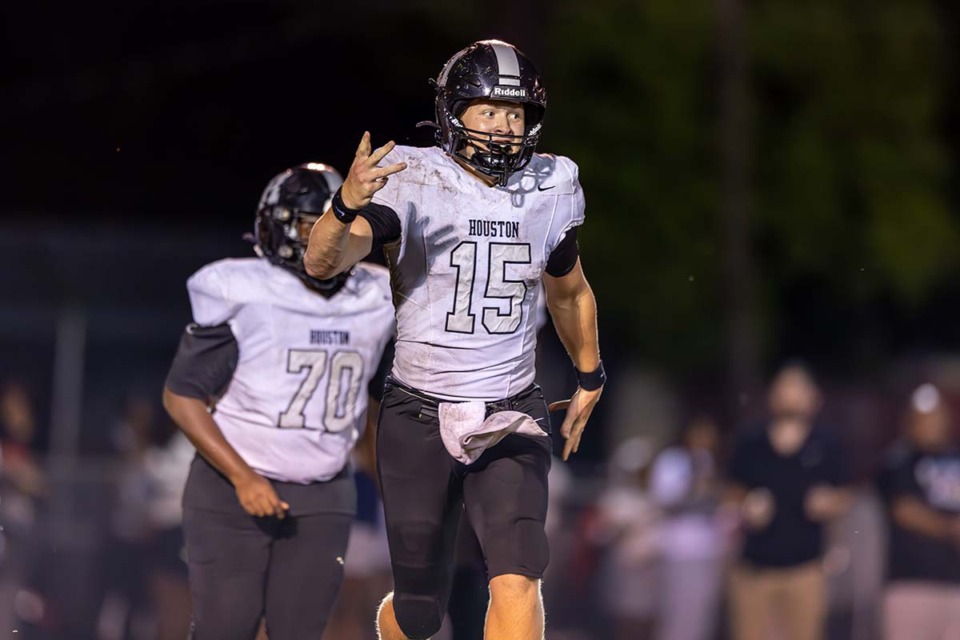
[[346, 369]]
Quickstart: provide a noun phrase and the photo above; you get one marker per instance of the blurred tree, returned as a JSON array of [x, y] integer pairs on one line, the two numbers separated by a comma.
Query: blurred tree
[[849, 206], [738, 260], [851, 196], [631, 102]]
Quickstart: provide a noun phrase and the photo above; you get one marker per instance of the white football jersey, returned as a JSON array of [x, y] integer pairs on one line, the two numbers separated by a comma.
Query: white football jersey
[[297, 400], [466, 274]]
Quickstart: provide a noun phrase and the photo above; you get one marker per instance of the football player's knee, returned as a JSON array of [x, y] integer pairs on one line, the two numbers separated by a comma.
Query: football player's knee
[[416, 601], [514, 588], [419, 579], [419, 617]]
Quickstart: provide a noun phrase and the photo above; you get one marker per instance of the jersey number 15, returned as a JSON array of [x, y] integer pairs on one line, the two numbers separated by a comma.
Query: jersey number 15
[[499, 286]]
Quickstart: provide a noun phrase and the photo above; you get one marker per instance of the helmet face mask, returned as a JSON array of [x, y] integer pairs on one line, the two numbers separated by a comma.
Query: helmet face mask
[[496, 155], [494, 71], [290, 204]]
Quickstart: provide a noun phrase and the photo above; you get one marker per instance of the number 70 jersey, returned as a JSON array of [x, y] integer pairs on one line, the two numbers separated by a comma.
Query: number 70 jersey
[[298, 396], [466, 273]]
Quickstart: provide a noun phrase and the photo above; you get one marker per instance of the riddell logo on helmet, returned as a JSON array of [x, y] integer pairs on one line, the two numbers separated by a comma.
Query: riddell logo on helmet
[[508, 92]]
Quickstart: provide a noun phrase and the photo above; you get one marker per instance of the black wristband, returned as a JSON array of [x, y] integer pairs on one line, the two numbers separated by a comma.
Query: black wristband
[[340, 210], [592, 380]]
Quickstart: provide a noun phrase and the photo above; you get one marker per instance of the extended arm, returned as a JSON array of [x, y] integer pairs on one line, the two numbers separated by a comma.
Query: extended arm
[[574, 312], [334, 246], [202, 368], [340, 239], [193, 418]]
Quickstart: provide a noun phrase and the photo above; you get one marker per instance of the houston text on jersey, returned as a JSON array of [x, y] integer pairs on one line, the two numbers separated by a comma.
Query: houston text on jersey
[[329, 337], [495, 228]]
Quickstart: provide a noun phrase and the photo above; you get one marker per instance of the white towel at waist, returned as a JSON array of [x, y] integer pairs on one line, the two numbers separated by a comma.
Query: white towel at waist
[[466, 434]]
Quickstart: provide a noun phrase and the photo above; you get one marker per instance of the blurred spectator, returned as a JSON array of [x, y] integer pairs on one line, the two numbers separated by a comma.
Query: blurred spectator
[[685, 485], [149, 595], [21, 468], [125, 611], [22, 485], [626, 524], [920, 484], [787, 479], [167, 464]]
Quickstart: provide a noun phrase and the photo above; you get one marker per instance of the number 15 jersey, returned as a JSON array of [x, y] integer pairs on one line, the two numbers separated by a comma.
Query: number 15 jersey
[[466, 270]]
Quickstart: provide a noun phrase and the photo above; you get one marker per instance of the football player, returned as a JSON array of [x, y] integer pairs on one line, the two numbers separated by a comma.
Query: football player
[[471, 228], [270, 384]]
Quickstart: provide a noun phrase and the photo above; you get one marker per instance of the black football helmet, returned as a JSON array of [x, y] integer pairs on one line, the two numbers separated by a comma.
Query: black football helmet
[[494, 70], [289, 206]]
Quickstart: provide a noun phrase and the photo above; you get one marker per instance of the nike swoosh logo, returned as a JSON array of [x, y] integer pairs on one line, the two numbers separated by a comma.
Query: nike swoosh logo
[[543, 188]]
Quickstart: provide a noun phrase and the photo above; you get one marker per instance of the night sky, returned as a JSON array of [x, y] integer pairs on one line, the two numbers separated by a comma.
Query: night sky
[[184, 108], [182, 111]]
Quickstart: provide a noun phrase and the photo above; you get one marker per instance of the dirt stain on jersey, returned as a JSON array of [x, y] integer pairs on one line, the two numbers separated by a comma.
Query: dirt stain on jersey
[[438, 180]]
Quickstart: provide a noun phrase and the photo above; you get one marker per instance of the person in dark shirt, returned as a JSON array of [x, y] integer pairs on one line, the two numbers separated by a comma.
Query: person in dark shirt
[[787, 479], [920, 485]]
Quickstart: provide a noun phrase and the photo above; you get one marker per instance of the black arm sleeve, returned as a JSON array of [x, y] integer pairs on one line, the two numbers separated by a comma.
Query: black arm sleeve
[[385, 224], [375, 388], [564, 256], [205, 362]]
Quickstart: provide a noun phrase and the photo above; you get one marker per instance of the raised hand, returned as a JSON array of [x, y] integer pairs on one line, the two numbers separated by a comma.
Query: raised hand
[[365, 178], [579, 407]]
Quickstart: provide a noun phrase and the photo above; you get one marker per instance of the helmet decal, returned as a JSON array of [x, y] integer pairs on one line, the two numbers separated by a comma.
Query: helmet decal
[[507, 63]]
